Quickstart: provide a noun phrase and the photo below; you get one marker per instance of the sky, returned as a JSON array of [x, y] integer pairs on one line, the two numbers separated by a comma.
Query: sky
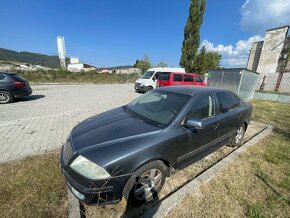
[[113, 32]]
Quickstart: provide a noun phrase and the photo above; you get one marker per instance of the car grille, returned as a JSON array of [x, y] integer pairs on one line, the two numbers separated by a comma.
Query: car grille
[[137, 85], [68, 151]]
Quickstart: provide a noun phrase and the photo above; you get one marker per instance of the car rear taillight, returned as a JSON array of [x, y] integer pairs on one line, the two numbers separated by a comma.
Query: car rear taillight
[[19, 84]]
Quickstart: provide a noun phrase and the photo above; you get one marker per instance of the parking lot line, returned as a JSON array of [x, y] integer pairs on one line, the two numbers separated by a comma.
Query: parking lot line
[[10, 122]]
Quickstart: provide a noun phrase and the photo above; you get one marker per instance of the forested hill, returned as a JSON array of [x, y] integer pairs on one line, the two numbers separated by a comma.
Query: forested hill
[[30, 58]]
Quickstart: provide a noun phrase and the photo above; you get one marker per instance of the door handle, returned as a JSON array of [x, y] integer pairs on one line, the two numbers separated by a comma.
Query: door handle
[[215, 126]]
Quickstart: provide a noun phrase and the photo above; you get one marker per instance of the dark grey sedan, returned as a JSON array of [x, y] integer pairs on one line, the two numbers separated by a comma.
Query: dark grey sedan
[[13, 86], [128, 151]]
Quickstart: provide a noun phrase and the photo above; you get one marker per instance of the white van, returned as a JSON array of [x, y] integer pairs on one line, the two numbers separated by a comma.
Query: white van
[[147, 82]]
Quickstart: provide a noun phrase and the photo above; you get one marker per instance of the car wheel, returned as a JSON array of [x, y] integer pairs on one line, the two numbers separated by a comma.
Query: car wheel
[[145, 184], [5, 97], [239, 136], [149, 88]]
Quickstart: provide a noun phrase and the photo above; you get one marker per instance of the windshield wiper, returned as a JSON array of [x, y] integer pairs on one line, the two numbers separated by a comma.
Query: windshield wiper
[[127, 110]]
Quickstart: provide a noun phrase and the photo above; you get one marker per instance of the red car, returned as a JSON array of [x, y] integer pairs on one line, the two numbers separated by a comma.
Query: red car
[[174, 79]]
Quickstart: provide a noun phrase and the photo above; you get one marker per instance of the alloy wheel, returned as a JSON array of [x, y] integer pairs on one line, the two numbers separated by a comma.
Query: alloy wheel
[[4, 98], [240, 135], [147, 185]]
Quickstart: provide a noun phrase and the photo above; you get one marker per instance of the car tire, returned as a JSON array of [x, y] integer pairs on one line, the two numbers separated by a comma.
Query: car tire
[[238, 136], [145, 183], [5, 97], [149, 88]]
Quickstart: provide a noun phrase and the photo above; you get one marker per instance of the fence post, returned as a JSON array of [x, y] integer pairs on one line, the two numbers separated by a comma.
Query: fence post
[[221, 83], [240, 83]]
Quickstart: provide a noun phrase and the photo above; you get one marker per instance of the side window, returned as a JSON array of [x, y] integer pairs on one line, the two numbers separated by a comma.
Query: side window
[[188, 78], [177, 77], [2, 77], [227, 101], [197, 79], [164, 76], [157, 75], [204, 106]]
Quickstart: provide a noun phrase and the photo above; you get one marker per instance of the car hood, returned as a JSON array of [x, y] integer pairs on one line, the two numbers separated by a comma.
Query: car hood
[[140, 80], [107, 128]]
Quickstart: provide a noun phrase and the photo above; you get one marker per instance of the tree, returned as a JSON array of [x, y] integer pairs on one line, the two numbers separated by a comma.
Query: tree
[[143, 64], [162, 64], [136, 64], [191, 40], [205, 60]]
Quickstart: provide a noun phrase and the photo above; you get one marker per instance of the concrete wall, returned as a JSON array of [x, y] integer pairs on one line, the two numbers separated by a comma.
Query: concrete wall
[[254, 55], [75, 67], [272, 47]]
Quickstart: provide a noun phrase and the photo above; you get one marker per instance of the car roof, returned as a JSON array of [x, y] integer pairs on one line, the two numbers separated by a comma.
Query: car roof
[[8, 73], [192, 90]]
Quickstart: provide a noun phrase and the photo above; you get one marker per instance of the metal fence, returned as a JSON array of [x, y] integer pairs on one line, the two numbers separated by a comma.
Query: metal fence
[[274, 82], [239, 80]]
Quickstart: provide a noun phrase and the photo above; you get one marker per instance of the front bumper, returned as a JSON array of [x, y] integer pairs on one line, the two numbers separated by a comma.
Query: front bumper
[[140, 88], [98, 192]]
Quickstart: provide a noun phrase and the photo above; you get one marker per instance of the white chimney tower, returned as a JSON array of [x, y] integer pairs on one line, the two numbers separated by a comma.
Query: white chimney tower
[[61, 51]]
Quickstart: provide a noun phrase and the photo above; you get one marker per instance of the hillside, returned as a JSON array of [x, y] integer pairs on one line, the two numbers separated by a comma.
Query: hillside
[[30, 58]]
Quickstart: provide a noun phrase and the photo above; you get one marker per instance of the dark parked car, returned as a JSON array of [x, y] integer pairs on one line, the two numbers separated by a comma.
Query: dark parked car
[[13, 86], [128, 151]]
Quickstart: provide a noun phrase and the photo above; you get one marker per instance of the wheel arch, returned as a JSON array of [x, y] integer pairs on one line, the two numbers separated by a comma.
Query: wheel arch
[[5, 90], [163, 160]]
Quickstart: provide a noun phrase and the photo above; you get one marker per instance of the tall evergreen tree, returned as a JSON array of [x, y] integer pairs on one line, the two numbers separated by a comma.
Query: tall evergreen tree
[[204, 60], [191, 40]]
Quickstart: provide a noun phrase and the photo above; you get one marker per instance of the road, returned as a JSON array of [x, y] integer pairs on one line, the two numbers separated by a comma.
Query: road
[[42, 122]]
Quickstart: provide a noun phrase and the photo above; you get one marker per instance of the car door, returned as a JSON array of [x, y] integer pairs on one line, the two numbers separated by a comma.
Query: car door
[[230, 112], [188, 80], [192, 142], [197, 81], [177, 79]]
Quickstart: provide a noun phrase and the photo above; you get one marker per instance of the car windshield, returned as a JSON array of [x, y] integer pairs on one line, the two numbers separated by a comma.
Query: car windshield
[[158, 107], [148, 75]]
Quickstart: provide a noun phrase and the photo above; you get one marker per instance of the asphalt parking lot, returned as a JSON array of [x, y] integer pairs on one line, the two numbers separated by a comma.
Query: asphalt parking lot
[[42, 121]]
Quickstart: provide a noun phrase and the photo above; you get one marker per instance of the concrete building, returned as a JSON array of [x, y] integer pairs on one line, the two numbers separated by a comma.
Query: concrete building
[[76, 66], [272, 54], [130, 70]]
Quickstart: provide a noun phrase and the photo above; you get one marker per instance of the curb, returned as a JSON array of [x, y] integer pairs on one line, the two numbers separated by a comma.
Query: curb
[[73, 206], [167, 205]]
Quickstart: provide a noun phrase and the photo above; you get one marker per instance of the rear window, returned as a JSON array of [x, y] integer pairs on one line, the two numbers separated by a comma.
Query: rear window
[[227, 101], [2, 77], [197, 79], [188, 78], [18, 78], [164, 76], [177, 77]]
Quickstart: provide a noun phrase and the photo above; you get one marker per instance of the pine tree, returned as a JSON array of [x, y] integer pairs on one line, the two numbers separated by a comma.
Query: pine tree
[[191, 40]]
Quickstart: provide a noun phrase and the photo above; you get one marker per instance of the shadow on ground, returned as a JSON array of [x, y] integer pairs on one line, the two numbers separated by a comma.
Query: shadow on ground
[[29, 98]]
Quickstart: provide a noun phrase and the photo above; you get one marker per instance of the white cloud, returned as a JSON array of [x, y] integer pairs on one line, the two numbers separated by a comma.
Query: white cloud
[[260, 15], [233, 56]]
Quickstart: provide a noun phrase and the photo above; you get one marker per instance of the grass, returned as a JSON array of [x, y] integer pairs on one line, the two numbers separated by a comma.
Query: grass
[[63, 76], [33, 187], [255, 185]]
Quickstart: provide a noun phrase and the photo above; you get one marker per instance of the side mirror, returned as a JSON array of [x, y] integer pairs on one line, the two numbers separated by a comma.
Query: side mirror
[[154, 78], [193, 124]]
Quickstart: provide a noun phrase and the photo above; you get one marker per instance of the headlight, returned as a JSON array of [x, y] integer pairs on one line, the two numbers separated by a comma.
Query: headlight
[[89, 169]]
